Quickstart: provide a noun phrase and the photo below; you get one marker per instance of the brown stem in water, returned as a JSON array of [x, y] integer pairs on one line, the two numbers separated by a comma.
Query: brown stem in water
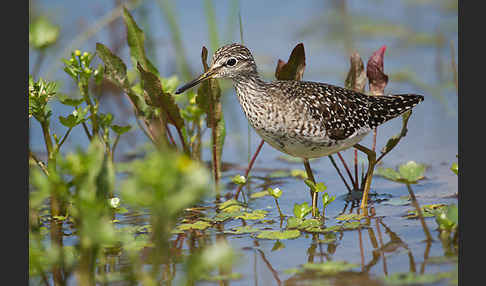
[[380, 239], [419, 213], [347, 170]]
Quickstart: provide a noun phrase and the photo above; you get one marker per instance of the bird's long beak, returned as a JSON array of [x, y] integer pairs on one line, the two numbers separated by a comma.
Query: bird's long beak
[[199, 79]]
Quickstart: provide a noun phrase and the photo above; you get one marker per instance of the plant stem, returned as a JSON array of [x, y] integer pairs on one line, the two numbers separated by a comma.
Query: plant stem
[[369, 175], [93, 108], [85, 127], [313, 194], [39, 163], [64, 138], [339, 172], [47, 138], [347, 170], [278, 207]]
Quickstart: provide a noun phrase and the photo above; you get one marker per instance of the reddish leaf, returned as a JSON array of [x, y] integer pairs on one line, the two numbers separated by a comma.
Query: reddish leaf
[[374, 71], [293, 69], [356, 78]]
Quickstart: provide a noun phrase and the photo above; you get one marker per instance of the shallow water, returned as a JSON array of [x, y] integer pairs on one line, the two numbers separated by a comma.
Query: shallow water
[[431, 139]]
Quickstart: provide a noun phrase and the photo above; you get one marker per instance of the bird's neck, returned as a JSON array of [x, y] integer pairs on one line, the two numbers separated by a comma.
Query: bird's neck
[[249, 86]]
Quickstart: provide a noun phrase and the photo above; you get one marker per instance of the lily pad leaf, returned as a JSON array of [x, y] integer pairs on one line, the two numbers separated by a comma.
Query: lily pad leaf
[[256, 214], [297, 173], [242, 230], [200, 225], [293, 222], [230, 206], [347, 217], [410, 278], [401, 201], [328, 267], [308, 223], [259, 194], [275, 234], [279, 174], [427, 210]]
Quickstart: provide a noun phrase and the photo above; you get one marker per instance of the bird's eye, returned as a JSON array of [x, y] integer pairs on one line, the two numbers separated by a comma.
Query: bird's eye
[[231, 62]]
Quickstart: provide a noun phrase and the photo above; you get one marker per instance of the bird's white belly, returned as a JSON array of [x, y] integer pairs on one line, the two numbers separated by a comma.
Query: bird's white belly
[[311, 148]]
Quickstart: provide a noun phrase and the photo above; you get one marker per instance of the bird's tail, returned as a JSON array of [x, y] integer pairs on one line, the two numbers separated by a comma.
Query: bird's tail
[[384, 108]]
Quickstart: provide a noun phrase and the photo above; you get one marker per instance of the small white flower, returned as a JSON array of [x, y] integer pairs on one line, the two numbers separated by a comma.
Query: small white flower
[[115, 202]]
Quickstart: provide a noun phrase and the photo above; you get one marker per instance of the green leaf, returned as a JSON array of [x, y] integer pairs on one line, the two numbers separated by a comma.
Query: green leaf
[[242, 230], [293, 222], [230, 206], [310, 223], [427, 210], [326, 199], [411, 171], [447, 217], [401, 201], [316, 187], [352, 225], [298, 173], [42, 33], [239, 180], [136, 39], [120, 129], [279, 174], [256, 214], [455, 168], [347, 217], [199, 225], [293, 69], [276, 193], [275, 234], [329, 267], [259, 194], [301, 210], [278, 245], [77, 117], [69, 121], [388, 173], [151, 85], [410, 278], [64, 99], [393, 141]]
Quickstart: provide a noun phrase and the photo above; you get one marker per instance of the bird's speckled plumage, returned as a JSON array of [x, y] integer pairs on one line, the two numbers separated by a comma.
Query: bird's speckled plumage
[[301, 118]]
